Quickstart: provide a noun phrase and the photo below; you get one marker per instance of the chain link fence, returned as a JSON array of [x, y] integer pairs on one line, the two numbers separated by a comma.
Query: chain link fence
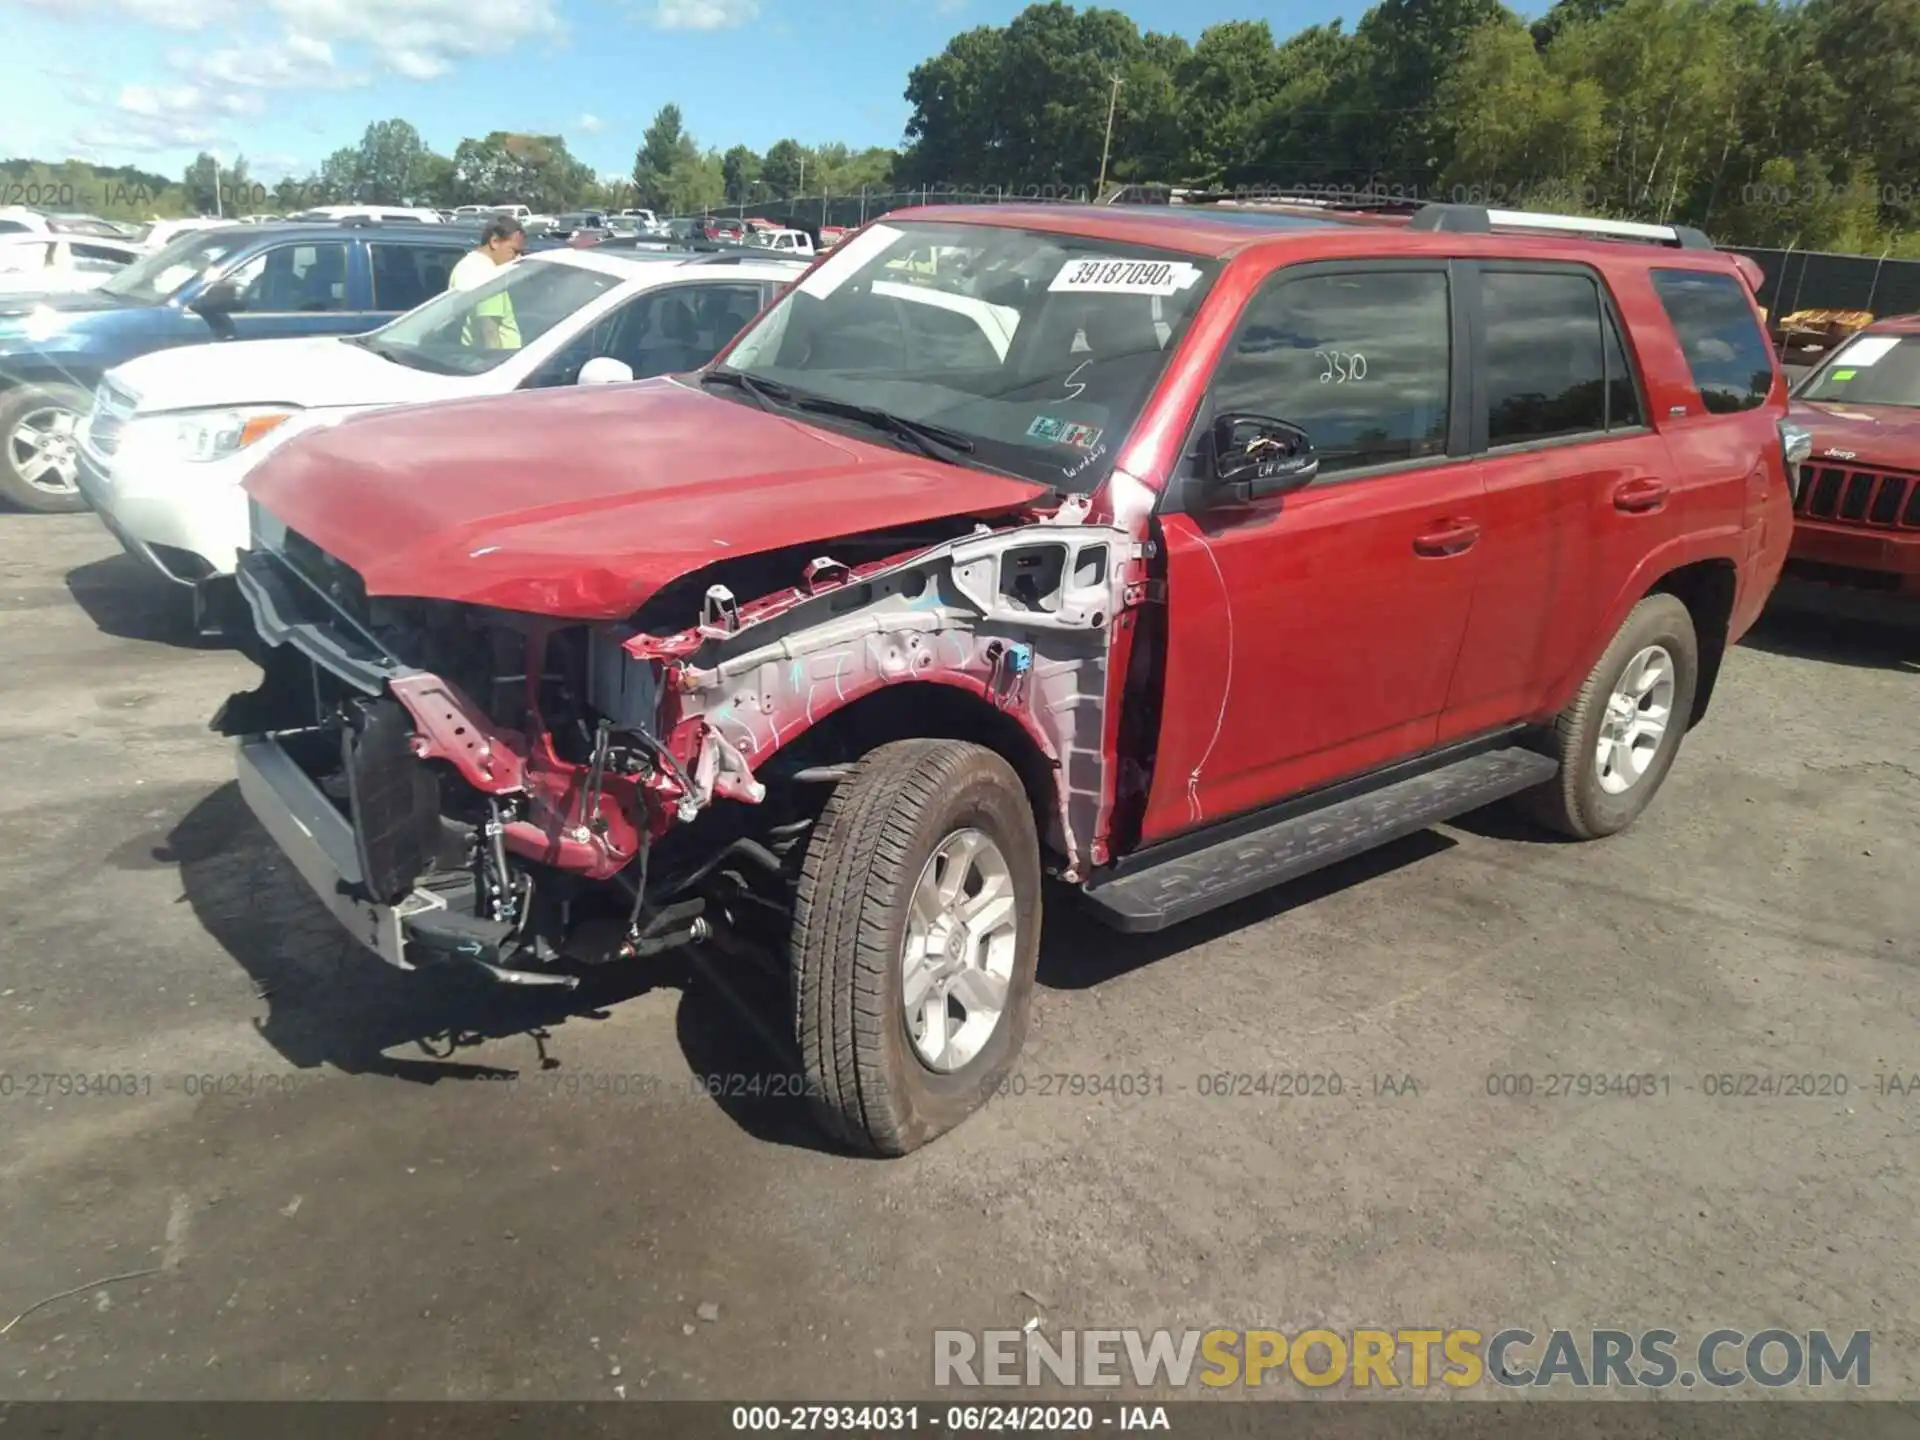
[[1818, 280]]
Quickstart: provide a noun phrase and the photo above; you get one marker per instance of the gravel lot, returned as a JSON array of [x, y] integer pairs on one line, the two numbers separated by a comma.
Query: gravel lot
[[354, 1205]]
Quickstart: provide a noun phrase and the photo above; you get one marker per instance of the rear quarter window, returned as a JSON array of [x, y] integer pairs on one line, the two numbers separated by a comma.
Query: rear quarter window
[[1727, 353]]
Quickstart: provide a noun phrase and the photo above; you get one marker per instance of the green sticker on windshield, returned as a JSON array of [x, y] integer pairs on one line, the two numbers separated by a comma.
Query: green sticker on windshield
[[1840, 375]]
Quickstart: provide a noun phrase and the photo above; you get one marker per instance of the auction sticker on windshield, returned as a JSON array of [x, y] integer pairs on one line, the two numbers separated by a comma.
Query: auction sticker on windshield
[[1106, 276]]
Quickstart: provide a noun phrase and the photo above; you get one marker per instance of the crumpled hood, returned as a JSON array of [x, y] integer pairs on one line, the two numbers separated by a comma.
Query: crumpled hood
[[1886, 435], [582, 502]]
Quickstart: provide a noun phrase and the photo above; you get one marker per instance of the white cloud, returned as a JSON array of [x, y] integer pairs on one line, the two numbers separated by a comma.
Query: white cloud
[[146, 118], [590, 124], [703, 14], [419, 39], [323, 45], [295, 62]]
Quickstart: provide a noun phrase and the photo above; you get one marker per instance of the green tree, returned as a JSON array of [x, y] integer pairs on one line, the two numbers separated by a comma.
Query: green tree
[[435, 181], [1227, 87], [1873, 46], [510, 168], [665, 148], [338, 181], [1027, 104], [1394, 126], [1518, 130], [784, 170], [739, 168], [201, 181], [389, 166]]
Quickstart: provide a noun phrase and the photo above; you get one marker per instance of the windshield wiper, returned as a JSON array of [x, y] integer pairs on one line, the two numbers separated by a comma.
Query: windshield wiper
[[399, 355], [764, 393], [934, 441]]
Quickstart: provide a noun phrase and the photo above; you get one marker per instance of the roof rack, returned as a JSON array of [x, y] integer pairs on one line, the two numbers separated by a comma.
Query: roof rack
[[1479, 220], [1299, 197]]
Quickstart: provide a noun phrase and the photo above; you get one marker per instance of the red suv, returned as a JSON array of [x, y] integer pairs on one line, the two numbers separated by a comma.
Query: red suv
[[1857, 505], [1169, 552]]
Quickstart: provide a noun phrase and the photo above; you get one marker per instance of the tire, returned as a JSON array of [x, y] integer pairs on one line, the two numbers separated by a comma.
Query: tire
[[906, 813], [1595, 795], [27, 410]]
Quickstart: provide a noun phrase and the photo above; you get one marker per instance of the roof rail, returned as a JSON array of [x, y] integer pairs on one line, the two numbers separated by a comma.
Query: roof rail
[[1479, 220], [1305, 196]]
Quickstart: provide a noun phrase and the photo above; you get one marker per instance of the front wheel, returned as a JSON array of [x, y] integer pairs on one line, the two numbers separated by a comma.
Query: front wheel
[[915, 935], [1618, 738], [39, 454]]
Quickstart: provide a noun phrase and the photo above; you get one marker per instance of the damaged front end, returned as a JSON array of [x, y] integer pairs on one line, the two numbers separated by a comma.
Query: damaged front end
[[531, 793]]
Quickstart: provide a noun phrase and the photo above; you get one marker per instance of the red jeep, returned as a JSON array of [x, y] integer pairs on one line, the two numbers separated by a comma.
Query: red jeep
[[1171, 553], [1857, 500]]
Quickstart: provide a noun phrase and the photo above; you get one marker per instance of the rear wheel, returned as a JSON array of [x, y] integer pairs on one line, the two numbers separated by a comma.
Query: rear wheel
[[39, 454], [1618, 738], [916, 931]]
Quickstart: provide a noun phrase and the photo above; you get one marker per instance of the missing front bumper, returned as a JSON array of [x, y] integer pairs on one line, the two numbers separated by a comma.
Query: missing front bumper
[[320, 843]]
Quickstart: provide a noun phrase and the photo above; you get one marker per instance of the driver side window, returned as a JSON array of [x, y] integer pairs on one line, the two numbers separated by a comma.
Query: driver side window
[[1362, 361], [293, 278]]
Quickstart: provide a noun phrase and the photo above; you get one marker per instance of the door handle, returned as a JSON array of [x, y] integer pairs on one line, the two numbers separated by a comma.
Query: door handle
[[1446, 537], [1639, 497]]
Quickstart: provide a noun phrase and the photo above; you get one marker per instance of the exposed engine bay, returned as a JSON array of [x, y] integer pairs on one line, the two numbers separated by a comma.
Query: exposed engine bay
[[525, 790]]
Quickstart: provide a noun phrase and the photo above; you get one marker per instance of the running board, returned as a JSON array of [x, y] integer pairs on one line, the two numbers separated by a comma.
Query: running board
[[1154, 896]]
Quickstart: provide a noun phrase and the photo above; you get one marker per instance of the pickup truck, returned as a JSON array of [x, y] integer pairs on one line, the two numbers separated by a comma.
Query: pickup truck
[[1169, 552]]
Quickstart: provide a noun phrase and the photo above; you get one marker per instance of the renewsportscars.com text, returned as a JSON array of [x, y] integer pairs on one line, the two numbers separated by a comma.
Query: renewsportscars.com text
[[1389, 1359]]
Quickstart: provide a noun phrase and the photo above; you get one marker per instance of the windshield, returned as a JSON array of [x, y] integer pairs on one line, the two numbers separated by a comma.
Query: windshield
[[468, 332], [1870, 370], [163, 274], [1038, 349]]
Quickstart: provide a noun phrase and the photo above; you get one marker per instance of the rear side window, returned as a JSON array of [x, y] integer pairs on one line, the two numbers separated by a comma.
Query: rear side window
[[406, 275], [1713, 317], [1362, 362], [1554, 365], [1546, 360]]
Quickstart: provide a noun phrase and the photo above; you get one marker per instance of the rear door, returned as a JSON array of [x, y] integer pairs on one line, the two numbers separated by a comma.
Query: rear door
[[1724, 432], [1577, 482], [1313, 635]]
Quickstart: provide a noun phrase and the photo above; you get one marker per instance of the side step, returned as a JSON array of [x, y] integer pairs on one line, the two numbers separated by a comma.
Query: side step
[[1157, 895]]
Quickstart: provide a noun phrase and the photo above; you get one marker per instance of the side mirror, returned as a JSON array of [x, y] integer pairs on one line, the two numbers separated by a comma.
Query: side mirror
[[1253, 455], [222, 297], [604, 370]]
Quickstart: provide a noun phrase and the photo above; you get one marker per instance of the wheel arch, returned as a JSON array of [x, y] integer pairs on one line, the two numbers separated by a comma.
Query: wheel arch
[[1708, 589], [933, 710]]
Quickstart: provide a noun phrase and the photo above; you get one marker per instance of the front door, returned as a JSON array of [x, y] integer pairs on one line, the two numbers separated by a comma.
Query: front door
[[304, 287], [1313, 635]]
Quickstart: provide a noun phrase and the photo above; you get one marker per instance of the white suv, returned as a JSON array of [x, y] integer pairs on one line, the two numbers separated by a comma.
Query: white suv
[[172, 435]]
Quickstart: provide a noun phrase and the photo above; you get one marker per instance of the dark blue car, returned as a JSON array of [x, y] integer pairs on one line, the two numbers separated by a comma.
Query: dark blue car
[[241, 282]]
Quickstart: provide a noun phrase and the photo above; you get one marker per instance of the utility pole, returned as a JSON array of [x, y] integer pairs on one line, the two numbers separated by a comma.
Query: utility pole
[[1106, 146]]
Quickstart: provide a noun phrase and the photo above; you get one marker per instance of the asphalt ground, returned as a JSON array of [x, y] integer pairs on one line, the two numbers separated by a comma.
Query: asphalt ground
[[353, 1183]]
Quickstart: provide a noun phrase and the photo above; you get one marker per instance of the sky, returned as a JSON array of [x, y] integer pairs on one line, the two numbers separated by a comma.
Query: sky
[[286, 82]]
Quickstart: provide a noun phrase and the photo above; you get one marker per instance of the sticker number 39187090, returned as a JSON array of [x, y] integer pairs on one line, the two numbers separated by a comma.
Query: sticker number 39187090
[[1106, 276]]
